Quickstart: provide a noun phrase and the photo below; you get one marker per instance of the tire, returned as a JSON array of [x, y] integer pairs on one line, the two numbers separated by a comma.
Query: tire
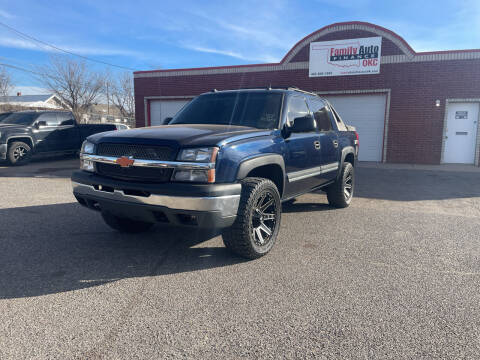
[[340, 193], [125, 225], [255, 229], [18, 153]]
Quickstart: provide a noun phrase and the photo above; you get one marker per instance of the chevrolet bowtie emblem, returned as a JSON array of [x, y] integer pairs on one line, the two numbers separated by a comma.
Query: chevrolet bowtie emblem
[[124, 161]]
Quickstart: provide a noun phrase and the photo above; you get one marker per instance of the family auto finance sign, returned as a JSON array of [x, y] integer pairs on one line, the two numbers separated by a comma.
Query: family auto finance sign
[[345, 57]]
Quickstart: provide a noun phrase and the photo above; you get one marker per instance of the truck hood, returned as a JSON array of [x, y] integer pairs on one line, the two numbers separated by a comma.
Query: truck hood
[[8, 129], [11, 126], [180, 135]]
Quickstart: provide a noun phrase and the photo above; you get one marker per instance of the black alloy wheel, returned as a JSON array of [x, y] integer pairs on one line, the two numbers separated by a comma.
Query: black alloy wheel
[[264, 218], [256, 226]]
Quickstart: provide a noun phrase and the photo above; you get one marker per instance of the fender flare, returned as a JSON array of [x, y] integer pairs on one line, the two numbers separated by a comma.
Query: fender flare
[[345, 151], [21, 137], [252, 163]]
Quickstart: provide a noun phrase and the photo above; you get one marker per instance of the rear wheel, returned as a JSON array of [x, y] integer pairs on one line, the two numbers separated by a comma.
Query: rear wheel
[[124, 224], [340, 193], [258, 220], [18, 153]]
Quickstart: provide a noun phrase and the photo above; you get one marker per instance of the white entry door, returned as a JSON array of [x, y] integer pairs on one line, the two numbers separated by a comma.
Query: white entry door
[[161, 109], [461, 133], [367, 114]]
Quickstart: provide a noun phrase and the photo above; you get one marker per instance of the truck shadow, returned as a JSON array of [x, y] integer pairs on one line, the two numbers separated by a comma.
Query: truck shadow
[[299, 207], [63, 247], [42, 167]]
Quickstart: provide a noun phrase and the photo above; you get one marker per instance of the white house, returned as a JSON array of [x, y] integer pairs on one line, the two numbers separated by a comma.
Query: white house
[[49, 101]]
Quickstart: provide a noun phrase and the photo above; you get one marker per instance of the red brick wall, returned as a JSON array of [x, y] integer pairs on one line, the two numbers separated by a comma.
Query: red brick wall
[[415, 124]]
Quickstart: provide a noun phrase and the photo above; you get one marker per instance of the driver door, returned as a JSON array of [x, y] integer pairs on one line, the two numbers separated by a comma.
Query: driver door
[[44, 134], [302, 160]]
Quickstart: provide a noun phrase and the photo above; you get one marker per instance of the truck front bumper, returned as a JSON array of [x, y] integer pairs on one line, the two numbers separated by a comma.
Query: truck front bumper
[[198, 205], [3, 151]]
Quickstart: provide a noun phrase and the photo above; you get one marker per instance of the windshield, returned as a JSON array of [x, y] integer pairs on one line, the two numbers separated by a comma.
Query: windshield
[[19, 118], [260, 110]]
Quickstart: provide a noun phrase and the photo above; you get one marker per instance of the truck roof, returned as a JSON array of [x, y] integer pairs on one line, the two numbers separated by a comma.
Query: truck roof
[[290, 89]]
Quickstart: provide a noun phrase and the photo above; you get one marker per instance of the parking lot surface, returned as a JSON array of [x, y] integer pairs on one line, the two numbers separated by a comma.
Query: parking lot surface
[[396, 275]]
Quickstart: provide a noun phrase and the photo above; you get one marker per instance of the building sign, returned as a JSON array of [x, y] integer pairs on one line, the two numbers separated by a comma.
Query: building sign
[[345, 57], [461, 114]]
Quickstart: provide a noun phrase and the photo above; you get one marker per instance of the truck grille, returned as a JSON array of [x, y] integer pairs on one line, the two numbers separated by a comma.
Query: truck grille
[[144, 152], [135, 173]]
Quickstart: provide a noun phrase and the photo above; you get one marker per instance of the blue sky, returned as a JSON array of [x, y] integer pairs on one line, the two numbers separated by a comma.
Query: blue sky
[[145, 35]]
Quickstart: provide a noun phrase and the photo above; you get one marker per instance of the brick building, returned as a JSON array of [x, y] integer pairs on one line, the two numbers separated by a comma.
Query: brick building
[[421, 107]]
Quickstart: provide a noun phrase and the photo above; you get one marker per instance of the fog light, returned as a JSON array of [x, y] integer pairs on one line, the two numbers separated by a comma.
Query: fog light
[[87, 165]]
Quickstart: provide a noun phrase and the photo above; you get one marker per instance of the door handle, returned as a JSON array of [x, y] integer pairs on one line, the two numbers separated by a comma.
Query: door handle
[[335, 143], [317, 145]]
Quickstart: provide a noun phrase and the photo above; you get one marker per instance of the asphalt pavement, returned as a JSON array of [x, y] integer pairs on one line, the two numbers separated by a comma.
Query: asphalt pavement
[[394, 276]]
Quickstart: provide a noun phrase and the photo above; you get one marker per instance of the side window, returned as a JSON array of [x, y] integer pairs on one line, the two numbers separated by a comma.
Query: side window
[[321, 115], [340, 124], [297, 107], [65, 118], [49, 118]]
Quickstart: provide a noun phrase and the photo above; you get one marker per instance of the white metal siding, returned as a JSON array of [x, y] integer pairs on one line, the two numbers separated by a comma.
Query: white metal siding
[[161, 109], [367, 114]]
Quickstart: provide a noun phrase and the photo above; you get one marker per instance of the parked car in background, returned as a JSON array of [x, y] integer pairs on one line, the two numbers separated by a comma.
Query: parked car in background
[[121, 126], [26, 133], [226, 161]]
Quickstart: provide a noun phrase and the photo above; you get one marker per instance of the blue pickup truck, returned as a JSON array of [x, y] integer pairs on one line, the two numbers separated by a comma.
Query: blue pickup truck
[[226, 161]]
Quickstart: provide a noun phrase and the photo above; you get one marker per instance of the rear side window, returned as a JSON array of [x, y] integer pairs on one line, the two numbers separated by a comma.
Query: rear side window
[[65, 118], [337, 119], [297, 107], [50, 118], [321, 115]]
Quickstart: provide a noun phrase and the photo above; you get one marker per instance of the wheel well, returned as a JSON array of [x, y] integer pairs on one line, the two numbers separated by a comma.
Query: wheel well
[[26, 140], [350, 158], [272, 172]]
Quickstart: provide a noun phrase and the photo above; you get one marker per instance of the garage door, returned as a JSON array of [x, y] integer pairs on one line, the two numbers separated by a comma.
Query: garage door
[[367, 114], [161, 109]]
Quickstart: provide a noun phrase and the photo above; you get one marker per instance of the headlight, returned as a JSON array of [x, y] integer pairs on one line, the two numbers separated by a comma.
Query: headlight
[[87, 147], [198, 155], [201, 155]]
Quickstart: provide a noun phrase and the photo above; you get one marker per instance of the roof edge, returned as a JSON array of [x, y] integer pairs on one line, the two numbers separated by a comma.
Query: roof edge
[[300, 44]]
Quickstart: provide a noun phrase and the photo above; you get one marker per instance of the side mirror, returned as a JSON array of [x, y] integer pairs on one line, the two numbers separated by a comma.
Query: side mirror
[[167, 120], [303, 124], [40, 124]]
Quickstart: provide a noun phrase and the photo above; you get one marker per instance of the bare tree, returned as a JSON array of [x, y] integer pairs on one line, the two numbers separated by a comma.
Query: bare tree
[[121, 94], [74, 83], [5, 82]]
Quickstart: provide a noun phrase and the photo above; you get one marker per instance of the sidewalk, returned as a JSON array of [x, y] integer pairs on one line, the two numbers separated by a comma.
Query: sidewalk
[[442, 167]]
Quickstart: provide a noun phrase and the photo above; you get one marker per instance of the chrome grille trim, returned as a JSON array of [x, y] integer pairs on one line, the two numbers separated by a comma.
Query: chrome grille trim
[[151, 163]]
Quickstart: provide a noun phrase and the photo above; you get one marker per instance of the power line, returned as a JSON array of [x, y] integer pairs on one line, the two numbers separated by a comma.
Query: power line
[[60, 49], [38, 74], [22, 69]]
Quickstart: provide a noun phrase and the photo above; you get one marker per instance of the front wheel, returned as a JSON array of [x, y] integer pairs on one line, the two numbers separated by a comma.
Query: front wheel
[[18, 153], [255, 229], [340, 193], [124, 224]]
